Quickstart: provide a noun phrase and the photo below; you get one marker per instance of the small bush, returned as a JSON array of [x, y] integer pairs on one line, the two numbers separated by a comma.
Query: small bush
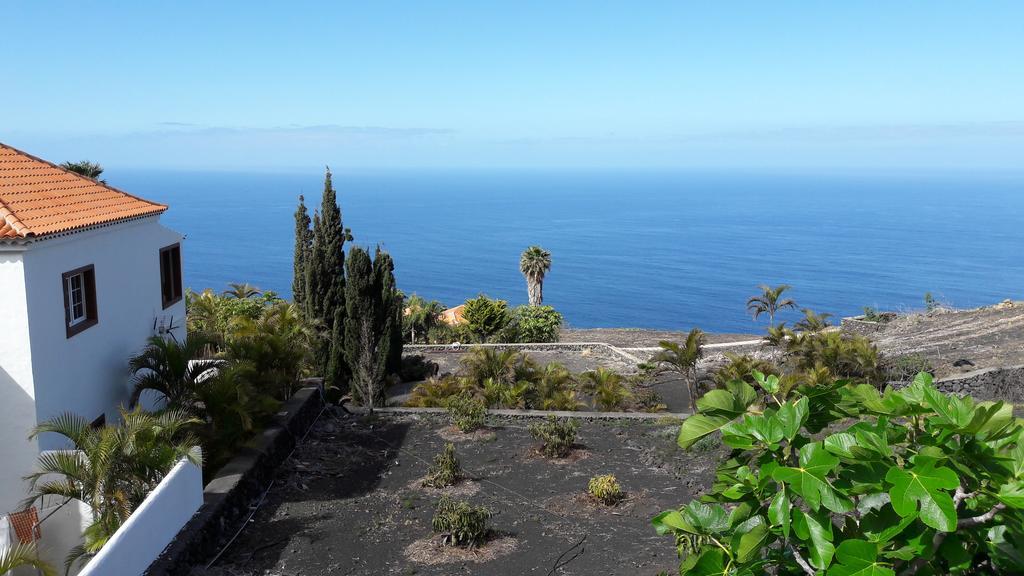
[[904, 368], [466, 412], [605, 489], [742, 367], [534, 324], [459, 523], [435, 393], [557, 435], [445, 471], [647, 400]]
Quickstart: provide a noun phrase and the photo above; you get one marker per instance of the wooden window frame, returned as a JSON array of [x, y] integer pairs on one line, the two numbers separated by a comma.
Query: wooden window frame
[[89, 300], [178, 288]]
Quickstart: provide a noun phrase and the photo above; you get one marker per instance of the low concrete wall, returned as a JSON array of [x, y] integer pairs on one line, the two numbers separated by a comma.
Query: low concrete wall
[[581, 415], [228, 495], [989, 384], [152, 525]]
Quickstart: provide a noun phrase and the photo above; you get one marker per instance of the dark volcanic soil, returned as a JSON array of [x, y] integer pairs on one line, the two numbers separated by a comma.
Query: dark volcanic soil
[[348, 501]]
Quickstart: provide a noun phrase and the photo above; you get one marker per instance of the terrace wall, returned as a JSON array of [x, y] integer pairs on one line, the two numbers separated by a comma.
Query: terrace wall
[[152, 525], [228, 497]]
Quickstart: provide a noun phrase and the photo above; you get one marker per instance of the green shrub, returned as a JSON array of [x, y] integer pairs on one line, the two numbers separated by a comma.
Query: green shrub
[[556, 435], [485, 317], [647, 400], [534, 324], [468, 413], [435, 393], [844, 479], [849, 357], [606, 389], [512, 396], [459, 523], [605, 489], [446, 470], [742, 367], [904, 368]]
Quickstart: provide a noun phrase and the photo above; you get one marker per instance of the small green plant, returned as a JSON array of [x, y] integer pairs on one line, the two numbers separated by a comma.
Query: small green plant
[[605, 489], [459, 523], [930, 303], [467, 412], [557, 436], [606, 388], [647, 400], [445, 471]]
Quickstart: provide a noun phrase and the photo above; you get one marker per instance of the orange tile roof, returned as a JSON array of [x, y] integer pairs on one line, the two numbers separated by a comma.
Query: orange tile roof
[[453, 316], [39, 198]]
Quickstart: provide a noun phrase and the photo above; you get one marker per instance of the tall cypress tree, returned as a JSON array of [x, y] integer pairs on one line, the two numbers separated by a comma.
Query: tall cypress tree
[[303, 246], [390, 304], [325, 286], [362, 330]]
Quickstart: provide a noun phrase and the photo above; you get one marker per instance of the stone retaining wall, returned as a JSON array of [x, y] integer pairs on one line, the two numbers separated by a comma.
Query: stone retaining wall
[[858, 326], [989, 384], [227, 497]]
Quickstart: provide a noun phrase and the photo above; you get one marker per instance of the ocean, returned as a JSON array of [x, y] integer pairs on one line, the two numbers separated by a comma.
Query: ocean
[[665, 250]]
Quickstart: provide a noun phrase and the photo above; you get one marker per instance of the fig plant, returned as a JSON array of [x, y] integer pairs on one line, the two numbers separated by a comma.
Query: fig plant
[[841, 479]]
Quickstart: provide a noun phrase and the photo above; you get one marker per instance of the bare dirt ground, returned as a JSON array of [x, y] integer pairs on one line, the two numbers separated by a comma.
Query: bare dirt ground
[[981, 338], [349, 502]]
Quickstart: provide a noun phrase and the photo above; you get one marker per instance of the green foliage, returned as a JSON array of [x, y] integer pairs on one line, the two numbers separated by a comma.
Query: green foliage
[[277, 345], [647, 400], [24, 555], [213, 316], [904, 368], [420, 318], [553, 388], [303, 248], [769, 302], [445, 471], [930, 303], [83, 168], [812, 322], [324, 293], [873, 315], [683, 360], [605, 489], [742, 367], [556, 435], [607, 389], [459, 523], [850, 357], [468, 413], [534, 263], [485, 318], [372, 334], [840, 478], [434, 393], [535, 324], [112, 468]]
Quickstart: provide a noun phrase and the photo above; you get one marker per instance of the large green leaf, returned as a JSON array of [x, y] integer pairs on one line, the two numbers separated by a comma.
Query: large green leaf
[[779, 512], [928, 485], [720, 401], [858, 558], [698, 426], [954, 410], [810, 480], [704, 518], [749, 538], [708, 563], [819, 533], [1012, 494], [791, 417], [671, 521]]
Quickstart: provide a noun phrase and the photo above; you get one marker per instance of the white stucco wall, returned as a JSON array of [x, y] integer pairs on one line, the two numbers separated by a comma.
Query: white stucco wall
[[17, 408], [152, 526], [88, 372]]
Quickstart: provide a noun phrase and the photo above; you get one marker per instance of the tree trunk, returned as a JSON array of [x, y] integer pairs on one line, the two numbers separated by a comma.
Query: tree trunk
[[536, 292]]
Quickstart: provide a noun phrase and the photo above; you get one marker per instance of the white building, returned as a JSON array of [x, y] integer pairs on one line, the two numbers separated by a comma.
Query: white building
[[87, 274]]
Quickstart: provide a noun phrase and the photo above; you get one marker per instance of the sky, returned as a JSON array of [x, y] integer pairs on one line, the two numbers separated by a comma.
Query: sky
[[571, 84]]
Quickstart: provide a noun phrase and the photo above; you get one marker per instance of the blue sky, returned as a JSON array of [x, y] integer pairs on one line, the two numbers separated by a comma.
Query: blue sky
[[282, 86]]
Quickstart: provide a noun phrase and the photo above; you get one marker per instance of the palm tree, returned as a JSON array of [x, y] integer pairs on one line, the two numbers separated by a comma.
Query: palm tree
[[534, 264], [174, 369], [505, 367], [683, 359], [84, 168], [112, 468], [277, 345], [812, 322], [606, 389], [23, 555], [242, 290], [554, 389], [420, 316], [769, 302]]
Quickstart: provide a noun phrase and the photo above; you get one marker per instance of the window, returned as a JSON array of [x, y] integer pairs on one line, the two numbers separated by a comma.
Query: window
[[170, 274], [79, 299]]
